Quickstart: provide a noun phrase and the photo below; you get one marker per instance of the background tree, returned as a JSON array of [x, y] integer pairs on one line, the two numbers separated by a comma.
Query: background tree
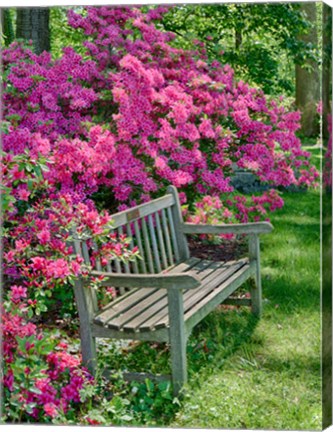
[[327, 67], [7, 29], [308, 75], [33, 23], [260, 41]]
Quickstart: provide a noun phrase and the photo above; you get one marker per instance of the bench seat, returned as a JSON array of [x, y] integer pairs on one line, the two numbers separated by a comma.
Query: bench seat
[[146, 309]]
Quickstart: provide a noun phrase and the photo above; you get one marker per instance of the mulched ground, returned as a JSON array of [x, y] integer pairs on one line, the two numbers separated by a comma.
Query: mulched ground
[[226, 251]]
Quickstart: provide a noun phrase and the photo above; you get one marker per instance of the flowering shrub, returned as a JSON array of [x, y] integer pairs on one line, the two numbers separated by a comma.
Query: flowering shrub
[[37, 250], [41, 380], [165, 115], [236, 209]]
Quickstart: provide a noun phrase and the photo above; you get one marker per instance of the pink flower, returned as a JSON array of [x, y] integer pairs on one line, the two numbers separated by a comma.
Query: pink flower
[[44, 236], [38, 263], [18, 292], [51, 410], [23, 194]]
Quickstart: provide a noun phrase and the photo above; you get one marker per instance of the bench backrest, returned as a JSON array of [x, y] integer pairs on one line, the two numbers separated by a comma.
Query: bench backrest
[[154, 227]]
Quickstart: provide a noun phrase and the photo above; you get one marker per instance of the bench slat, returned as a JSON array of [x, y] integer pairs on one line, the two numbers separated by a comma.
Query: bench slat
[[161, 240], [140, 307], [173, 235], [129, 301], [220, 274], [126, 265], [149, 313], [195, 315], [116, 261], [148, 321], [130, 235], [147, 247], [157, 260], [139, 212], [98, 261], [205, 272], [85, 252], [141, 250], [125, 302], [166, 233]]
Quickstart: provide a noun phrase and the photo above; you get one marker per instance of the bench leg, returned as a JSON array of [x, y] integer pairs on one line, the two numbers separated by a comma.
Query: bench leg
[[255, 290], [256, 300], [177, 340], [88, 348]]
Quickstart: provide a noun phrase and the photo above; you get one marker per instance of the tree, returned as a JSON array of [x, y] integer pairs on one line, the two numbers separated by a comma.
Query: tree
[[7, 28], [327, 68], [308, 76], [33, 23]]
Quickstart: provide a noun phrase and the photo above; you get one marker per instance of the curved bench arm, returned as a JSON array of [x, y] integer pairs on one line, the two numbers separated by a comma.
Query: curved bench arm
[[245, 228], [179, 281]]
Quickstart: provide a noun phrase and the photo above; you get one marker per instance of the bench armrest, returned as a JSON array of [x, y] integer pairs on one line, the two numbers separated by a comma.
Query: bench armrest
[[169, 281], [245, 228]]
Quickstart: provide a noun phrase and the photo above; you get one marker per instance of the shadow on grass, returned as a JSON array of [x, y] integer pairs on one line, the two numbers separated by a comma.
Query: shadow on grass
[[295, 365], [217, 338], [219, 334], [289, 297]]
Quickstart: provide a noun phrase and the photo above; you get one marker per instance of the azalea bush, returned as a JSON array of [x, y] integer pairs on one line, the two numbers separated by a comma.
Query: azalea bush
[[164, 115], [42, 381]]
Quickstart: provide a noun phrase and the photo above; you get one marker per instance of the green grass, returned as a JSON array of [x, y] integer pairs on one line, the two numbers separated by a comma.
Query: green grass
[[267, 374]]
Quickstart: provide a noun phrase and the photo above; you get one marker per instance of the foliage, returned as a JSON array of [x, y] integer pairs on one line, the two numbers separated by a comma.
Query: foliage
[[41, 380], [7, 29], [260, 41]]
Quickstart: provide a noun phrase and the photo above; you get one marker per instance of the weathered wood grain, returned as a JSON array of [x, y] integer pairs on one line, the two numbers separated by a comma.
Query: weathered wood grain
[[246, 228], [167, 281], [121, 218], [167, 237], [183, 249], [255, 289]]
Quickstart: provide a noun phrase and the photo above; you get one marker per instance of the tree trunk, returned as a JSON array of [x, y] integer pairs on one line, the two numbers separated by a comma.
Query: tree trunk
[[327, 68], [33, 23], [7, 28], [308, 79]]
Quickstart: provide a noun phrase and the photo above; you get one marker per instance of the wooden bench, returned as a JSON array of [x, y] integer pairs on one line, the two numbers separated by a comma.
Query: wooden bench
[[164, 295]]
